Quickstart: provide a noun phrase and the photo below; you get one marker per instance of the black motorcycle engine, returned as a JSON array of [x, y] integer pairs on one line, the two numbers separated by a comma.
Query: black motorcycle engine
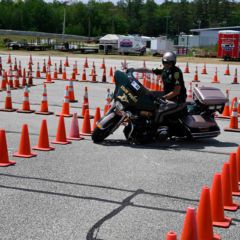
[[140, 131]]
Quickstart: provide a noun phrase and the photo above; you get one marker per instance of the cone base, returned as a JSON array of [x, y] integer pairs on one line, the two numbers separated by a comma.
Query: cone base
[[85, 134], [90, 116], [195, 81], [25, 111], [232, 129], [44, 113], [65, 115], [75, 138], [8, 110], [7, 164], [43, 149], [224, 224], [234, 207], [216, 237], [72, 101], [236, 193], [224, 117], [234, 83], [61, 143], [25, 155], [215, 82], [49, 82]]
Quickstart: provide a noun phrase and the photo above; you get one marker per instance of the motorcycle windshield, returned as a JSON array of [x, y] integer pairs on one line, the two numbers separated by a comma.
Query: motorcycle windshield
[[131, 93]]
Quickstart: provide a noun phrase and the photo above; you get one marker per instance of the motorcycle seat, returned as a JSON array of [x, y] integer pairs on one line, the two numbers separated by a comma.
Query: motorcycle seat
[[169, 109]]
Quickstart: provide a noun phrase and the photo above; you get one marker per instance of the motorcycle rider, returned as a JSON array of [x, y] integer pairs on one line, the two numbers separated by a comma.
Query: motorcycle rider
[[174, 87]]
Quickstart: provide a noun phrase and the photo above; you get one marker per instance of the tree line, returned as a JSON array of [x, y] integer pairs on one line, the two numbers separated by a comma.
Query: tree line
[[97, 18]]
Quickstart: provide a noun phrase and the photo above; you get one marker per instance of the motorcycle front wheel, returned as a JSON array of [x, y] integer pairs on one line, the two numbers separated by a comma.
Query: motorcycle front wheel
[[99, 134]]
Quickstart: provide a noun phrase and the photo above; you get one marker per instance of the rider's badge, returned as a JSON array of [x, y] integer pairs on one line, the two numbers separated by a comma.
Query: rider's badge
[[176, 75]]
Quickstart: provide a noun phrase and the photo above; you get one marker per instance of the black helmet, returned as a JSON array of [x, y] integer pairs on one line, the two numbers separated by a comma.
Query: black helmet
[[169, 57]]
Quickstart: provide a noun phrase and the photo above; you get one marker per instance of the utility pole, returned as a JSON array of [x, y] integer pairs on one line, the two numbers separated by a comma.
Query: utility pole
[[167, 17]]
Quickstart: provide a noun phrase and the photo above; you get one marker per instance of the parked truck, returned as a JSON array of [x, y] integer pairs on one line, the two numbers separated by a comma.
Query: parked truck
[[160, 45], [229, 45], [121, 44]]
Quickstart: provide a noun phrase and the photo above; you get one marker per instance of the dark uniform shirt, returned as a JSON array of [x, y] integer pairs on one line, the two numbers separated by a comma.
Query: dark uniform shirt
[[173, 77]]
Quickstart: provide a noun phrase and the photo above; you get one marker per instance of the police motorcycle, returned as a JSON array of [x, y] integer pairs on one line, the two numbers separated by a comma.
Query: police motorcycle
[[143, 113]]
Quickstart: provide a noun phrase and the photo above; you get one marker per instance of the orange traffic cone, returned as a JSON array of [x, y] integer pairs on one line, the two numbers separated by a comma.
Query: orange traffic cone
[[104, 78], [97, 117], [64, 74], [204, 217], [9, 61], [103, 66], [49, 61], [4, 160], [30, 79], [75, 68], [60, 67], [204, 70], [86, 63], [218, 218], [16, 83], [238, 108], [65, 107], [61, 133], [86, 128], [66, 64], [73, 78], [108, 100], [44, 69], [84, 77], [8, 102], [15, 64], [227, 189], [235, 79], [94, 75], [44, 103], [74, 133], [233, 126], [30, 59], [71, 92], [38, 73], [4, 81], [111, 72], [19, 69], [226, 110], [189, 231], [238, 162], [195, 79], [171, 236], [186, 70], [43, 140], [234, 174], [227, 71], [24, 149], [85, 104], [189, 93], [26, 103], [55, 73], [24, 80], [215, 77], [48, 76]]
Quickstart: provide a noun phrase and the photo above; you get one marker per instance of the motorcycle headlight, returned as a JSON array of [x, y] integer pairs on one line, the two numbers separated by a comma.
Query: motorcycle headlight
[[119, 106]]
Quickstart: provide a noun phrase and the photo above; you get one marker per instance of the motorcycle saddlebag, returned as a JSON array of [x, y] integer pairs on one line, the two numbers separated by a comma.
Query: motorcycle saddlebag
[[209, 96]]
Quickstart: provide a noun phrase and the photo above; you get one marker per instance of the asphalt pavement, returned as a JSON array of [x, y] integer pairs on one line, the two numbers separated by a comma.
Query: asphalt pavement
[[108, 191]]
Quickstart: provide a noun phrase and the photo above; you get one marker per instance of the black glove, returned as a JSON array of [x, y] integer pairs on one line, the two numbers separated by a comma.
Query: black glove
[[157, 71]]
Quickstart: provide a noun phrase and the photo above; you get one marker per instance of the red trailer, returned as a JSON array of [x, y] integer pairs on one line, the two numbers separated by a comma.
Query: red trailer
[[229, 44]]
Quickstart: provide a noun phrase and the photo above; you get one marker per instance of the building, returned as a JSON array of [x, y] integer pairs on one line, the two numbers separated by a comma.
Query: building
[[202, 37]]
